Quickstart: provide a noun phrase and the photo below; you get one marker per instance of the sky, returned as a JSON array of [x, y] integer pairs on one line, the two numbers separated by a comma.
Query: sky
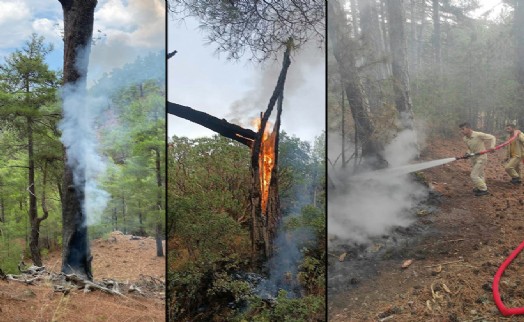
[[123, 30], [239, 90]]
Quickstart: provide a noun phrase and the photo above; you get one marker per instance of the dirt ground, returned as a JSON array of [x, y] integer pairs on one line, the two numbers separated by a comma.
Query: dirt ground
[[117, 257], [452, 271]]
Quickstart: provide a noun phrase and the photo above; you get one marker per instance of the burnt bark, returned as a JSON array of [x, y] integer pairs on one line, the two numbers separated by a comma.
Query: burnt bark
[[344, 49], [264, 222], [78, 31], [221, 126]]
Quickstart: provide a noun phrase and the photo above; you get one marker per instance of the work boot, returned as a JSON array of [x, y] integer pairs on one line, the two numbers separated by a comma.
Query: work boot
[[481, 193], [516, 180], [475, 190]]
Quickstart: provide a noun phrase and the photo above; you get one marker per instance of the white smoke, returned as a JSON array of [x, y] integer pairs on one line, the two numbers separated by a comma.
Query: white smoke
[[79, 137], [361, 209]]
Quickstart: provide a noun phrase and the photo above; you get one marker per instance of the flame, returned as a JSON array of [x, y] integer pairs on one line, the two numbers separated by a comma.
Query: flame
[[266, 162]]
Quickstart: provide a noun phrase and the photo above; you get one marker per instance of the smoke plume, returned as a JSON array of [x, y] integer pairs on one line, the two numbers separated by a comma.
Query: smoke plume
[[79, 137], [360, 208]]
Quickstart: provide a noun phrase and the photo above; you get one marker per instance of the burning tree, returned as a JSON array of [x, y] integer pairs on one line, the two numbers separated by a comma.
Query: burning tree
[[78, 30], [265, 205]]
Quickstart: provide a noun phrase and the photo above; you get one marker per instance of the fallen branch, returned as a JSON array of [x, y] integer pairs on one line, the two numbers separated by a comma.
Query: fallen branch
[[221, 126], [86, 285], [21, 279]]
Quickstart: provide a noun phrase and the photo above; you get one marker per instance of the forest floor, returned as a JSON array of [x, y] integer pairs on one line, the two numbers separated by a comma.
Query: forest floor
[[454, 257], [118, 258]]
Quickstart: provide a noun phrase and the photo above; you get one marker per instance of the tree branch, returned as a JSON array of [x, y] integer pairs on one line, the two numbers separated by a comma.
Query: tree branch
[[171, 54], [221, 126]]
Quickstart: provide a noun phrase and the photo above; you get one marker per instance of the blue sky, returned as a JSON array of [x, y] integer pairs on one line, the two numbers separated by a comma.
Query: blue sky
[[126, 28]]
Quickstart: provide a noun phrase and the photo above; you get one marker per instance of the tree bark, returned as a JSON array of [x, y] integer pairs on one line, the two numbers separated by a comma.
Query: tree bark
[[220, 126], [158, 231], [399, 62], [78, 31], [436, 36], [264, 221], [519, 44], [33, 211], [374, 62], [344, 51]]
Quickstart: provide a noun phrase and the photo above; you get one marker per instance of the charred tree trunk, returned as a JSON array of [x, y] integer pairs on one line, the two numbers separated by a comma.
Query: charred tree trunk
[[399, 62], [78, 31], [344, 51], [264, 220]]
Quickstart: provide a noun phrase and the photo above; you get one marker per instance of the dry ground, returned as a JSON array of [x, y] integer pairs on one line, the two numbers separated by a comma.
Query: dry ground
[[118, 258], [473, 237]]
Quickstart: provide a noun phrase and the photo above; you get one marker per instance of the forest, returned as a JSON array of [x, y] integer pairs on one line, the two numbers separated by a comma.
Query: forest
[[402, 76], [129, 118], [246, 207], [210, 271]]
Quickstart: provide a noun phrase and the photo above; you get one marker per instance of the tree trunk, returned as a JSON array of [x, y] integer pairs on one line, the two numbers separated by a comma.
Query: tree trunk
[[436, 37], [399, 62], [343, 49], [519, 44], [264, 220], [78, 31], [33, 211], [354, 16], [158, 231], [374, 62], [413, 39]]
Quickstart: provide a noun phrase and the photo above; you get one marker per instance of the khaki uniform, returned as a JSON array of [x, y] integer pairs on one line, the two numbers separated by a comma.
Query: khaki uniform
[[515, 154], [475, 144]]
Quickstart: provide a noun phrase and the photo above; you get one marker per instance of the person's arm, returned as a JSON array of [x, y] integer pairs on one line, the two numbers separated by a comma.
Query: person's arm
[[488, 137]]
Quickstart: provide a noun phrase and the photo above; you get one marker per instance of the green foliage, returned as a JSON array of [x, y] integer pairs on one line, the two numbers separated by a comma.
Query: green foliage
[[309, 308]]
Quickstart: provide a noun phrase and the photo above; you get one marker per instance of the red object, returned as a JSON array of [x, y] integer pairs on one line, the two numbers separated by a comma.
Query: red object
[[496, 295]]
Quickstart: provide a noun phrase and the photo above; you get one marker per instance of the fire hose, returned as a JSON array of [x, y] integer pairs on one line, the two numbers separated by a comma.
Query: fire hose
[[496, 295], [498, 147], [496, 280]]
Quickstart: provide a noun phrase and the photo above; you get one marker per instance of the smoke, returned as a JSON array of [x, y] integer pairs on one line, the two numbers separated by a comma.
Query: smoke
[[80, 112], [361, 208], [283, 266], [302, 99]]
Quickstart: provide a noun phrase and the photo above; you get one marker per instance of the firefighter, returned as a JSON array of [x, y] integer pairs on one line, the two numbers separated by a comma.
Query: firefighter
[[514, 154], [475, 142]]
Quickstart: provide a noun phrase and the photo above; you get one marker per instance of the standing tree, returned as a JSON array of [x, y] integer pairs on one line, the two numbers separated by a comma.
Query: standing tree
[[31, 85], [399, 62], [263, 28], [519, 43], [344, 50], [78, 31]]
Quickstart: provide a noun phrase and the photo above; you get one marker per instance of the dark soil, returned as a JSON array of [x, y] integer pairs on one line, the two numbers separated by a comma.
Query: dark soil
[[455, 250]]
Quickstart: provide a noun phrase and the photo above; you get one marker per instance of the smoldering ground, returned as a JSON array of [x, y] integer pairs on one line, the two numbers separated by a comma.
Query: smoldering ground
[[360, 207], [372, 215]]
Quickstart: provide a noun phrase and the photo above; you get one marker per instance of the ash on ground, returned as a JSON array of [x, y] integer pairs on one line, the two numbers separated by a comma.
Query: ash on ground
[[350, 263]]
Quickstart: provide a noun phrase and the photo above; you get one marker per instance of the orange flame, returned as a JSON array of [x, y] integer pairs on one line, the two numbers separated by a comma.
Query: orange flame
[[266, 162]]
